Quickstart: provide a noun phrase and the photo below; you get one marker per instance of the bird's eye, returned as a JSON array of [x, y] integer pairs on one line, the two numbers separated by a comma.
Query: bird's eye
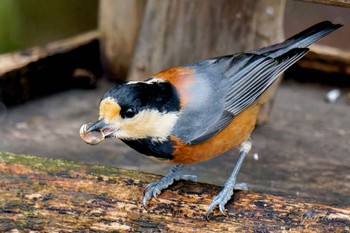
[[130, 112]]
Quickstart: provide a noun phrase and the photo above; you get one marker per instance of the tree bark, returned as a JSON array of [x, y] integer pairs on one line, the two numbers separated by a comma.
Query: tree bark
[[45, 195]]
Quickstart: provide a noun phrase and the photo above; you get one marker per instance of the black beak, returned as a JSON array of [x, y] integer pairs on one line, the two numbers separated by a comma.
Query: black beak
[[97, 126], [102, 127]]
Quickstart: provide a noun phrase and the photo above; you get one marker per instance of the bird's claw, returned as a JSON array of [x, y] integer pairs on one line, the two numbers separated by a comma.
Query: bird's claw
[[155, 188], [222, 198], [149, 186]]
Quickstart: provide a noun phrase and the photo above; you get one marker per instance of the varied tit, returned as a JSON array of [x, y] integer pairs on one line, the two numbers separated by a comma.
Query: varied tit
[[195, 112]]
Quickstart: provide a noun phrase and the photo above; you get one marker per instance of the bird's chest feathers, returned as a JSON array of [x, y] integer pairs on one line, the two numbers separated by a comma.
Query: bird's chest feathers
[[159, 150]]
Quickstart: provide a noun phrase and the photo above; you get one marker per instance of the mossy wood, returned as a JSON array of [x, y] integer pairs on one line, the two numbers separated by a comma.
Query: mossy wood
[[45, 195]]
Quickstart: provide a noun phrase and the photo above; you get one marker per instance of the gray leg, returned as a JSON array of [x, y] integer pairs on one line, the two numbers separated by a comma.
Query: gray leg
[[230, 185], [155, 188]]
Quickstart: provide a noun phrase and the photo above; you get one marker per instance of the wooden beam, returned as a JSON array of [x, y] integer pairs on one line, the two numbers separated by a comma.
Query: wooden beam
[[42, 70], [327, 59], [20, 59], [323, 64], [341, 3], [45, 195]]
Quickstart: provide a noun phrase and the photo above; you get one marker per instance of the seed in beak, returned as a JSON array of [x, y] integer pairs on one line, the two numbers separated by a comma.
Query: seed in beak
[[92, 137]]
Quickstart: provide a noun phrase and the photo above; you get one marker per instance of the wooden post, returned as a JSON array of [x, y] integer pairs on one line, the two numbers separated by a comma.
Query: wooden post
[[179, 32], [119, 23]]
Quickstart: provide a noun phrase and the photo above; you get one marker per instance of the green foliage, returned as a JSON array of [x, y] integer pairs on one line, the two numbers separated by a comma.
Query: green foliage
[[26, 23]]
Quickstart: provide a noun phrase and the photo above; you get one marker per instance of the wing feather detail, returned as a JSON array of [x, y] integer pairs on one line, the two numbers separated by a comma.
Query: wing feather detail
[[248, 84]]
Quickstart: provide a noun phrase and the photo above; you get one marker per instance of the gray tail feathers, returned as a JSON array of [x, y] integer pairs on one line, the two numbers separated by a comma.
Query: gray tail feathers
[[300, 40]]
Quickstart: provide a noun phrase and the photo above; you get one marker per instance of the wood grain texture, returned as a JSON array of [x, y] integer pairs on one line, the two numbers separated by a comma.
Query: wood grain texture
[[327, 59], [20, 59], [341, 3], [119, 24], [46, 195], [43, 70], [174, 33]]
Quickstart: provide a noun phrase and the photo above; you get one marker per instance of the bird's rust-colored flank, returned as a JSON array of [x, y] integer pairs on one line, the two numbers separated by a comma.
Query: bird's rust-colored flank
[[181, 78], [233, 135]]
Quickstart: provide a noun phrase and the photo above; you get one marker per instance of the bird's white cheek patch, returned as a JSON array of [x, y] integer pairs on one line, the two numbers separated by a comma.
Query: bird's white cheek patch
[[147, 123]]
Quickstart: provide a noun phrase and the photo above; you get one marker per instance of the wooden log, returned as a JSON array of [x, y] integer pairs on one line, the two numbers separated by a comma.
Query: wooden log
[[73, 62], [119, 24], [45, 195]]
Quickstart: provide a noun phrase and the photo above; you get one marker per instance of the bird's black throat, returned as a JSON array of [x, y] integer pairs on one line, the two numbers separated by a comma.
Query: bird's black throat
[[160, 149]]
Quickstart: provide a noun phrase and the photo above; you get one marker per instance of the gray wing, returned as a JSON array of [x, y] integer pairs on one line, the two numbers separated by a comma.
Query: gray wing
[[300, 40], [249, 83], [248, 76]]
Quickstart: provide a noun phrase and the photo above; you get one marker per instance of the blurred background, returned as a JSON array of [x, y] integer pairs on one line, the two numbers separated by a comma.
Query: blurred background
[[303, 151], [26, 23]]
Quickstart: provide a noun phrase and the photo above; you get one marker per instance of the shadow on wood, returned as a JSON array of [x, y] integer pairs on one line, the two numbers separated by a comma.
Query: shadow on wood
[[51, 195]]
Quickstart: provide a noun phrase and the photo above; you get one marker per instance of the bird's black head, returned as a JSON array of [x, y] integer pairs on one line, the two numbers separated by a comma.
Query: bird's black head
[[136, 110], [134, 97]]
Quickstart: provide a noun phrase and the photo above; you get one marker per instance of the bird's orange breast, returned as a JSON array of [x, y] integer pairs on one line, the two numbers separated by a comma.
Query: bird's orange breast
[[232, 136]]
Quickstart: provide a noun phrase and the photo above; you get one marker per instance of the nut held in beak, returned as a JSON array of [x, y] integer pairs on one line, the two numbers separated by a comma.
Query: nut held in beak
[[93, 137]]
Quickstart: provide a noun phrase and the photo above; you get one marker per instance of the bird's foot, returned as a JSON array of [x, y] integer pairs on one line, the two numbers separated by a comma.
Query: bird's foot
[[154, 189], [222, 198]]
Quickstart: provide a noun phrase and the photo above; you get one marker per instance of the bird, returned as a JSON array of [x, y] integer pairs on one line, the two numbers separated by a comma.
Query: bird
[[195, 112]]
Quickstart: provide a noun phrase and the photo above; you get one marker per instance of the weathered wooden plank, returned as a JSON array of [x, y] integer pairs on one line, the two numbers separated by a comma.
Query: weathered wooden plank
[[20, 59], [341, 3], [327, 59], [46, 195], [74, 62]]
